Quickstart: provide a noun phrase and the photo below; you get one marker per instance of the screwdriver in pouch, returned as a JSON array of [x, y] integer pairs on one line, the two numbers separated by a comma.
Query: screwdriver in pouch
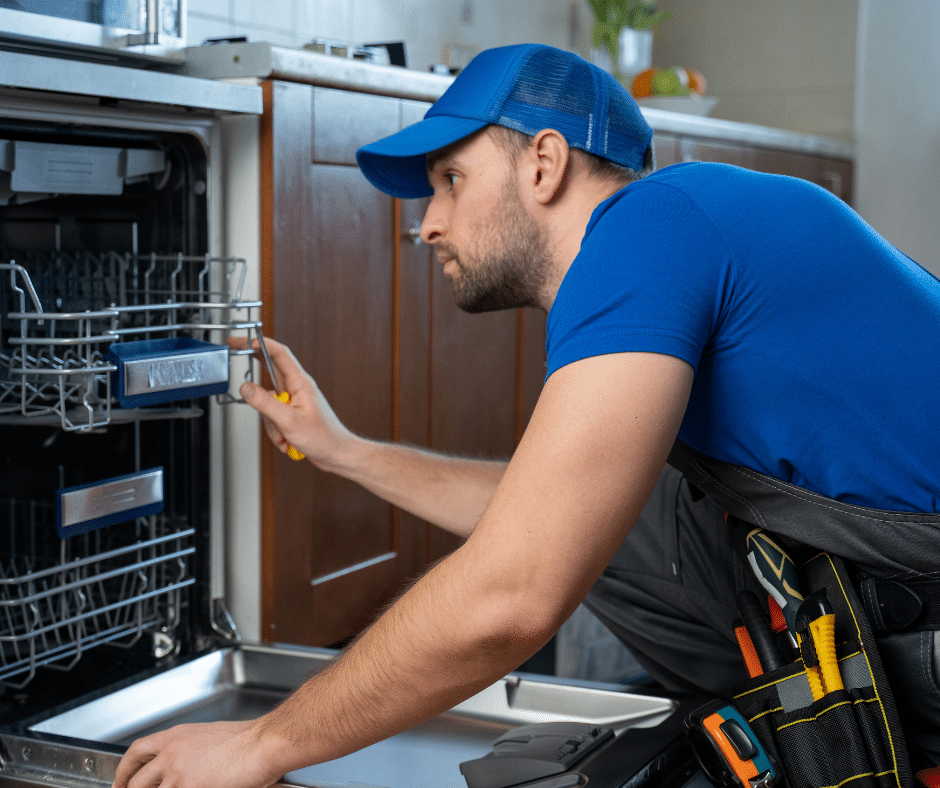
[[281, 394], [776, 572]]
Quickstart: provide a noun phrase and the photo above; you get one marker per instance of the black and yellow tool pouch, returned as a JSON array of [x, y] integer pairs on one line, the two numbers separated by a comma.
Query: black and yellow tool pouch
[[845, 731], [849, 736]]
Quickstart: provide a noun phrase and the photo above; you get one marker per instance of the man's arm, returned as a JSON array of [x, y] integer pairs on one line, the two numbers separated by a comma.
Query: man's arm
[[595, 445], [450, 492]]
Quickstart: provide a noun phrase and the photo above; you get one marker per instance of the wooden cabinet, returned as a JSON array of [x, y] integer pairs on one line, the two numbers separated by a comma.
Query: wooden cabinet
[[370, 315], [833, 174]]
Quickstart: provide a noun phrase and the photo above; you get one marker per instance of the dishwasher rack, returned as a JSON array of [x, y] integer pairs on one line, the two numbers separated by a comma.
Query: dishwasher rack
[[60, 311], [60, 597]]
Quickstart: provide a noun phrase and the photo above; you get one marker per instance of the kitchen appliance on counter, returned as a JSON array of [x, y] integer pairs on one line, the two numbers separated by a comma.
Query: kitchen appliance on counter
[[148, 29], [114, 307]]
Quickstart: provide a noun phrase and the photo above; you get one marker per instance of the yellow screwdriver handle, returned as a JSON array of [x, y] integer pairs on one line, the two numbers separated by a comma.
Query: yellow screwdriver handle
[[295, 455]]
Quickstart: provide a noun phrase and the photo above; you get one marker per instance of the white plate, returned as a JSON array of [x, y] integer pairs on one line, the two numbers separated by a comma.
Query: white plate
[[690, 105]]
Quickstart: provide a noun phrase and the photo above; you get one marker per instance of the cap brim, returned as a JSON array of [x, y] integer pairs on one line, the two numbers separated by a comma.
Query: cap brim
[[396, 164]]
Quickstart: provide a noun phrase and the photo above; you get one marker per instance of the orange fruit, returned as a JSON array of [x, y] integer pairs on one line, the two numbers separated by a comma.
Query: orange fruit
[[643, 83], [696, 82]]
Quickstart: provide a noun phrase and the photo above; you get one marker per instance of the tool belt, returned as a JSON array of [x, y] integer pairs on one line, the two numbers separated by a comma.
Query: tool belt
[[818, 710]]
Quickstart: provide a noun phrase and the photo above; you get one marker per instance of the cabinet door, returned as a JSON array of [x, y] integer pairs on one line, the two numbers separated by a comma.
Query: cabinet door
[[330, 550], [369, 313]]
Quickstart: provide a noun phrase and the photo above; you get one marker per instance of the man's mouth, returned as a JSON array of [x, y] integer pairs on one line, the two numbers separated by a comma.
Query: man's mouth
[[449, 266], [447, 261]]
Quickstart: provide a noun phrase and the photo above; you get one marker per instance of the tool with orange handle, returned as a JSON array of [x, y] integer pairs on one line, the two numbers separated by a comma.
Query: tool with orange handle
[[281, 394]]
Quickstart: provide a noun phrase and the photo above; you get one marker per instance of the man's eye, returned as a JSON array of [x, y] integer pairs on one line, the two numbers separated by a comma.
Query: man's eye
[[451, 178]]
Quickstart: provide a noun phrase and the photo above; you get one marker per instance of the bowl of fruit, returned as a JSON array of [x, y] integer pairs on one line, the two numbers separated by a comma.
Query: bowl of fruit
[[674, 89]]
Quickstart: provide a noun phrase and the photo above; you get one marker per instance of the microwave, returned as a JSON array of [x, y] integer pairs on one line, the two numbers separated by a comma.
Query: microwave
[[110, 29]]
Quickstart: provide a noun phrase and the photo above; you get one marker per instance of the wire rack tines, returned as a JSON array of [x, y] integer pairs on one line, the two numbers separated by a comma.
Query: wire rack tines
[[61, 312], [60, 597]]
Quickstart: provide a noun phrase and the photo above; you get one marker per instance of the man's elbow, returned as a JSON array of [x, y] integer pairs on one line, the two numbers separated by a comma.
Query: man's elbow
[[519, 622]]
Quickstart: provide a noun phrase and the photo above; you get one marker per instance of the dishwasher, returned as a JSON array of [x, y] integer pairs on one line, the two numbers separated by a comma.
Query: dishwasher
[[113, 318]]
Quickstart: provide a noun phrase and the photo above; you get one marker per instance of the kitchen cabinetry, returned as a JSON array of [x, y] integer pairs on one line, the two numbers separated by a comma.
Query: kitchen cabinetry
[[833, 173], [369, 313]]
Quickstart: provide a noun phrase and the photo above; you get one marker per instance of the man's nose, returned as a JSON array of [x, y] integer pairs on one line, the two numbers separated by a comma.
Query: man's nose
[[432, 228]]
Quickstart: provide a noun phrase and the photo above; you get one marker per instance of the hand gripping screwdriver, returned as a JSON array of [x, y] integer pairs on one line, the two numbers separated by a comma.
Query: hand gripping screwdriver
[[282, 395]]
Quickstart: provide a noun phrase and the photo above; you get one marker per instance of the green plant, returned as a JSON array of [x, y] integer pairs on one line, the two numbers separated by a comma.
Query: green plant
[[613, 15]]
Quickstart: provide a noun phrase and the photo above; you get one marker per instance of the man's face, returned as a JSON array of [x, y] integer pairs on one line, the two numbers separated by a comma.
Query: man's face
[[491, 248]]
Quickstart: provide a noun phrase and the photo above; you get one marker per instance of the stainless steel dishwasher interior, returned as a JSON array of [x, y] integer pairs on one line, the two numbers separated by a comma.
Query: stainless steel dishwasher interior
[[246, 681]]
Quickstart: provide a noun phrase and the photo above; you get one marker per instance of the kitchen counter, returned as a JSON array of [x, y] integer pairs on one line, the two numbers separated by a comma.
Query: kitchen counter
[[266, 61]]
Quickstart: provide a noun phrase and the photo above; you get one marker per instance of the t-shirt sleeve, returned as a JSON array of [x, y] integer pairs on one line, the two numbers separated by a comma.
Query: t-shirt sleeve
[[652, 275]]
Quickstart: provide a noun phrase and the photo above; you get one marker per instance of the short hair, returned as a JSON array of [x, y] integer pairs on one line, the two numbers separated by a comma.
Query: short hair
[[515, 142]]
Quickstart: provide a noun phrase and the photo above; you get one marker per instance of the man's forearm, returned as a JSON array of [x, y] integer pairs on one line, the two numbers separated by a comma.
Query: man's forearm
[[450, 492], [395, 676]]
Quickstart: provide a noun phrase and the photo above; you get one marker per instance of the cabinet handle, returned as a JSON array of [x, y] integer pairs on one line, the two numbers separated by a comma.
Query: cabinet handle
[[414, 233]]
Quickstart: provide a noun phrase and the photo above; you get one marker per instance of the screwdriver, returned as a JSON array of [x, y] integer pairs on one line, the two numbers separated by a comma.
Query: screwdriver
[[776, 572], [281, 394]]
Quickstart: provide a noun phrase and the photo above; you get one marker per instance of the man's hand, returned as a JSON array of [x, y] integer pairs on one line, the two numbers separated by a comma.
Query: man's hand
[[198, 756], [308, 423], [450, 492]]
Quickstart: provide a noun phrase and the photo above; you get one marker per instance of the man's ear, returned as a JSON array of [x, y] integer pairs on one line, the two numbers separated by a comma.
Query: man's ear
[[549, 158]]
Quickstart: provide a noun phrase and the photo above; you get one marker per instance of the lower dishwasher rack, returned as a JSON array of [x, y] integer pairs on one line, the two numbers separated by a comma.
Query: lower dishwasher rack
[[61, 597], [80, 746]]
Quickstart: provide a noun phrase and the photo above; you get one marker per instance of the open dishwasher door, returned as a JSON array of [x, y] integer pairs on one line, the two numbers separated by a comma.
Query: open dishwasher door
[[81, 743]]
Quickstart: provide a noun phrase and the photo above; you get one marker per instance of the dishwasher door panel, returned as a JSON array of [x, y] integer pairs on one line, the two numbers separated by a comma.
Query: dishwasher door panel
[[245, 681]]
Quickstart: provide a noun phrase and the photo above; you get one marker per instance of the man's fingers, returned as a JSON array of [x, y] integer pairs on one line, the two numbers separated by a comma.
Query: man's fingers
[[149, 775], [261, 400], [269, 407], [135, 760]]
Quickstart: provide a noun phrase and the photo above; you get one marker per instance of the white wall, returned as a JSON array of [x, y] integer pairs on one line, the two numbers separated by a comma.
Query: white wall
[[788, 65], [898, 125]]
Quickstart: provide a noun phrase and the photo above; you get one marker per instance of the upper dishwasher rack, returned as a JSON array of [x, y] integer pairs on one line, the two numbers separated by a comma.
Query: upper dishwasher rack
[[61, 312]]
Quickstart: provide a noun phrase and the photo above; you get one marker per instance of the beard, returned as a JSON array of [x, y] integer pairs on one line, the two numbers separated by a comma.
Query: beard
[[513, 271]]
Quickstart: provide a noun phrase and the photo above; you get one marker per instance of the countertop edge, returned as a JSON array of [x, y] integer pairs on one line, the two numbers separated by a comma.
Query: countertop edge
[[37, 72]]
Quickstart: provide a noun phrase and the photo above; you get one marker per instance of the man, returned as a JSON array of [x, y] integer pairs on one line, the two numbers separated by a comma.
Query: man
[[754, 317]]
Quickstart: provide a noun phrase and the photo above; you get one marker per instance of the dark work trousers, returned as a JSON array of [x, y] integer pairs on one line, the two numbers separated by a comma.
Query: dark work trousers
[[669, 592]]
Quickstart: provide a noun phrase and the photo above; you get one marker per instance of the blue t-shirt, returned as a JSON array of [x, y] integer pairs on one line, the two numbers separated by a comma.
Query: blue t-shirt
[[815, 343]]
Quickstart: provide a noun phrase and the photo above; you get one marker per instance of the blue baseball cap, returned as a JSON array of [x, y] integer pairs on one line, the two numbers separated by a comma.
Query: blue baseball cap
[[526, 87]]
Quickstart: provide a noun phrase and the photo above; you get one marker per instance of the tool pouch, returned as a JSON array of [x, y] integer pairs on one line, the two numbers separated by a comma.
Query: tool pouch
[[851, 736], [848, 736]]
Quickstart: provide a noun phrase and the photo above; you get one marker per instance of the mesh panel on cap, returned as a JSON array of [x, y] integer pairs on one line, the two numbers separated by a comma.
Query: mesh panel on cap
[[554, 90]]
